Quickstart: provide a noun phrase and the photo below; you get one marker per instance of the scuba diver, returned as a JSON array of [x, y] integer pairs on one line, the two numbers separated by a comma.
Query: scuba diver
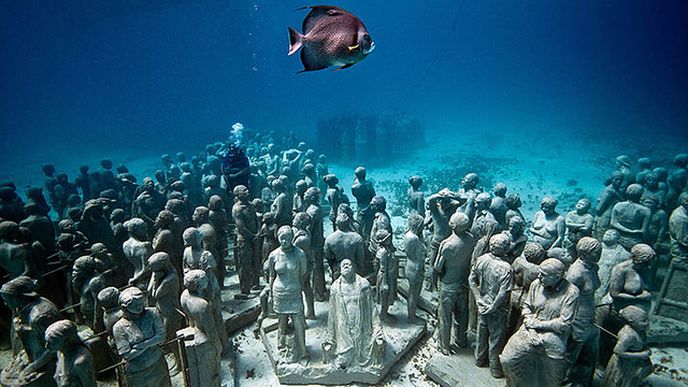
[[235, 167]]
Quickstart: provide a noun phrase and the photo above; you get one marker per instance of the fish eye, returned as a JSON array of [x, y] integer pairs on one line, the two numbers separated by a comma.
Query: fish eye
[[366, 37]]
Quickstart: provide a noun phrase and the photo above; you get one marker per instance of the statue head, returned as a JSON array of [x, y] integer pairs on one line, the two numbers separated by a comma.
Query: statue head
[[634, 192], [285, 237], [216, 203], [347, 270], [200, 215], [644, 163], [137, 228], [416, 182], [513, 201], [160, 263], [551, 272], [459, 222], [60, 334], [548, 205], [611, 237], [192, 237], [616, 179], [623, 161], [589, 250], [636, 317], [516, 226], [378, 203], [499, 245], [241, 192], [18, 291], [108, 297], [301, 186], [583, 206], [534, 253], [301, 221], [331, 180], [499, 190], [482, 201], [360, 173], [196, 281], [415, 224], [132, 302], [642, 255], [164, 220], [470, 181]]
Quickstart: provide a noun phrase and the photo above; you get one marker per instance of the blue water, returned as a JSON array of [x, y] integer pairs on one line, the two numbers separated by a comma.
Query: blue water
[[161, 76]]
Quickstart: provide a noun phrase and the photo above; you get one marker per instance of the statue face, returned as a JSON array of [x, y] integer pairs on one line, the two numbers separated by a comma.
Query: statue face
[[616, 181], [582, 206], [285, 239], [347, 269], [549, 280], [135, 308]]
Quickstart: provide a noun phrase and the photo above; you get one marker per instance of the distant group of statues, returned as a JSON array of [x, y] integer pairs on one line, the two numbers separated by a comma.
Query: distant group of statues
[[143, 265]]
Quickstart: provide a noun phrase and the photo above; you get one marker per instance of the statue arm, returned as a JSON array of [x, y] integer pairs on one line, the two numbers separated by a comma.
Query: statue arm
[[560, 232], [158, 336], [563, 322], [646, 226], [603, 203], [84, 370], [473, 279]]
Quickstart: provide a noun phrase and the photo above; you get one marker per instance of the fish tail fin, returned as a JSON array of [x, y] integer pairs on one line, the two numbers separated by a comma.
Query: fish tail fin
[[295, 41]]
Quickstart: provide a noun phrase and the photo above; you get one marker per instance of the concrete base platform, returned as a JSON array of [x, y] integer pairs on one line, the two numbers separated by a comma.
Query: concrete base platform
[[237, 313], [459, 370], [400, 336]]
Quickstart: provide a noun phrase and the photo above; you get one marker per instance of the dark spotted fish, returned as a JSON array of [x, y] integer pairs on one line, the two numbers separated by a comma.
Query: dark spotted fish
[[331, 37]]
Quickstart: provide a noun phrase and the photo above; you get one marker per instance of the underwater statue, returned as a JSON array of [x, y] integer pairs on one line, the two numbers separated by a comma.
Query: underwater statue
[[353, 331]]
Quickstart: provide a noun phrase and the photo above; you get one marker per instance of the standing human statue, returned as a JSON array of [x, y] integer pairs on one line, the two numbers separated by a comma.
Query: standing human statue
[[611, 195], [416, 197], [438, 217], [630, 218], [32, 364], [246, 252], [548, 226], [535, 356], [491, 280], [363, 191], [414, 270], [206, 337], [312, 201], [137, 336], [584, 342], [453, 268], [335, 196], [630, 363], [137, 249], [578, 225], [678, 229], [386, 274], [75, 365], [353, 332], [287, 267], [302, 240], [343, 243], [163, 293]]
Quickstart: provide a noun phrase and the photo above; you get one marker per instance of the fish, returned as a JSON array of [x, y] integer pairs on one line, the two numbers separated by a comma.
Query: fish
[[331, 36]]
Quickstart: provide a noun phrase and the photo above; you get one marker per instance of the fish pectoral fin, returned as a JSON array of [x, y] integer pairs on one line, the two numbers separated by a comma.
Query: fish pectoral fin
[[343, 67], [353, 48]]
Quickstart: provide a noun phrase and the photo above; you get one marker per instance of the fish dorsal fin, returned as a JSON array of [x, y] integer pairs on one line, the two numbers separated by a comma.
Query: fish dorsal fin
[[317, 13]]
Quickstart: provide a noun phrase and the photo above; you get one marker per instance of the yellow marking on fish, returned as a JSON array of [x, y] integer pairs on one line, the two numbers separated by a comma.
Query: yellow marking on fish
[[351, 48]]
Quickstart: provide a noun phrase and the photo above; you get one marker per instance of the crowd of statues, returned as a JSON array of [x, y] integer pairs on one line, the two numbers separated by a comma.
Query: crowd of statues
[[544, 301]]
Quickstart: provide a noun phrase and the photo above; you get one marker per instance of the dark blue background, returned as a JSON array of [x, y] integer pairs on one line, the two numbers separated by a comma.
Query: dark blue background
[[167, 75]]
